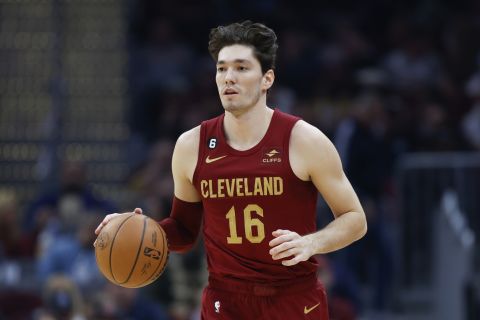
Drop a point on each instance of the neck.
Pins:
(244, 131)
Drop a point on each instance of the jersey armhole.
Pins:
(286, 146)
(201, 152)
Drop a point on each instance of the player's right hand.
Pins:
(109, 217)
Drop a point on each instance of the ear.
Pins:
(268, 79)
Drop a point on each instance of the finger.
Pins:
(282, 238)
(290, 262)
(99, 228)
(104, 222)
(277, 241)
(298, 257)
(279, 232)
(138, 211)
(281, 247)
(101, 225)
(285, 254)
(95, 243)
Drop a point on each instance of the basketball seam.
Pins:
(111, 247)
(138, 252)
(164, 238)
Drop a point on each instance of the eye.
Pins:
(242, 68)
(220, 69)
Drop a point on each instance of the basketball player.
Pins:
(253, 175)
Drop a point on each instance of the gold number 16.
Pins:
(249, 222)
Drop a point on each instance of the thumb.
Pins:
(138, 211)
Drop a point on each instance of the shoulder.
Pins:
(189, 137)
(307, 136)
(185, 154)
(188, 141)
(310, 150)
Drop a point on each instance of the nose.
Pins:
(230, 76)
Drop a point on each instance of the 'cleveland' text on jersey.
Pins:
(242, 187)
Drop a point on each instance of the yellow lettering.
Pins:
(239, 186)
(203, 186)
(221, 186)
(247, 192)
(232, 225)
(278, 185)
(210, 188)
(258, 190)
(230, 184)
(267, 186)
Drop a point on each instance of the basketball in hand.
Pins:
(131, 250)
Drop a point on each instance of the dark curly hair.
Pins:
(259, 37)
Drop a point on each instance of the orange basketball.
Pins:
(131, 250)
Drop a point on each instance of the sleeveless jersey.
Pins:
(246, 196)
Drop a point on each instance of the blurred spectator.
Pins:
(361, 143)
(14, 243)
(414, 64)
(17, 286)
(434, 132)
(62, 300)
(61, 209)
(115, 302)
(73, 256)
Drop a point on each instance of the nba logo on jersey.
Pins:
(271, 155)
(217, 306)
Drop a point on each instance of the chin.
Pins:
(231, 107)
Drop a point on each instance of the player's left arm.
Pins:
(314, 157)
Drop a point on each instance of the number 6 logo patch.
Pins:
(212, 143)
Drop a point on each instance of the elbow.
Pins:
(363, 231)
(363, 227)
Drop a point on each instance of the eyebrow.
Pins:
(234, 61)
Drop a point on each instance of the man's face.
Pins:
(239, 78)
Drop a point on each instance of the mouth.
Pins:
(229, 92)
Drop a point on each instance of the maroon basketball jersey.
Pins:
(246, 196)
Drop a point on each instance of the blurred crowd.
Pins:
(380, 78)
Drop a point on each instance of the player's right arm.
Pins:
(183, 225)
(184, 162)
